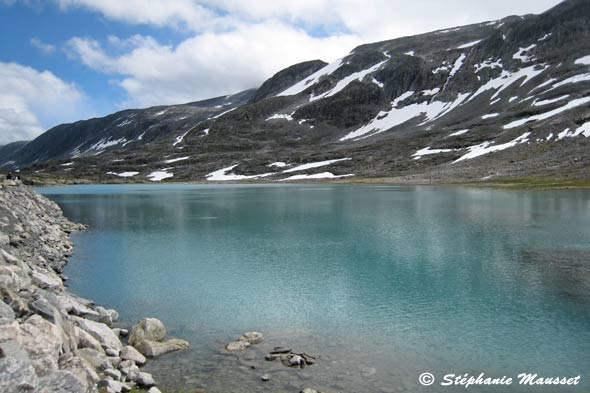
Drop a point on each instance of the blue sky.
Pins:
(65, 60)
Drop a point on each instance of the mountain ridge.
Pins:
(496, 99)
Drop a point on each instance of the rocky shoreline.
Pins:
(50, 339)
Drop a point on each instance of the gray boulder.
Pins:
(100, 331)
(145, 380)
(63, 381)
(113, 386)
(236, 346)
(16, 369)
(148, 335)
(6, 313)
(251, 337)
(154, 349)
(130, 353)
(151, 329)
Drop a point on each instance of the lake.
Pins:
(382, 283)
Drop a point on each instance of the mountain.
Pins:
(128, 129)
(10, 150)
(501, 99)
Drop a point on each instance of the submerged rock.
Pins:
(251, 337)
(236, 346)
(244, 341)
(147, 336)
(51, 340)
(154, 349)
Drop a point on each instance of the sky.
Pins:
(67, 60)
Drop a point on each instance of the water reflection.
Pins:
(399, 279)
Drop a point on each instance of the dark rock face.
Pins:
(10, 150)
(286, 78)
(499, 99)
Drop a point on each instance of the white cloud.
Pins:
(237, 43)
(29, 99)
(208, 64)
(368, 19)
(178, 13)
(48, 49)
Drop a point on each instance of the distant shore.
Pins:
(410, 180)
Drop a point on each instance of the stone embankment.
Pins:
(50, 339)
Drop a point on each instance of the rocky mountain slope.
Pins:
(502, 99)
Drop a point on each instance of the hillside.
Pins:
(502, 99)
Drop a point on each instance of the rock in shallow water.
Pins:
(147, 337)
(236, 346)
(151, 329)
(251, 337)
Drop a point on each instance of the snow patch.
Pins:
(583, 130)
(176, 159)
(542, 116)
(160, 175)
(224, 174)
(508, 78)
(356, 76)
(410, 53)
(323, 175)
(124, 123)
(457, 133)
(458, 64)
(430, 92)
(396, 116)
(444, 67)
(489, 147)
(180, 138)
(312, 79)
(583, 60)
(68, 164)
(521, 54)
(448, 30)
(469, 44)
(278, 116)
(550, 101)
(572, 79)
(427, 151)
(488, 64)
(489, 116)
(278, 164)
(123, 174)
(545, 37)
(101, 145)
(221, 114)
(314, 165)
(380, 84)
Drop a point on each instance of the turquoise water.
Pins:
(383, 283)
